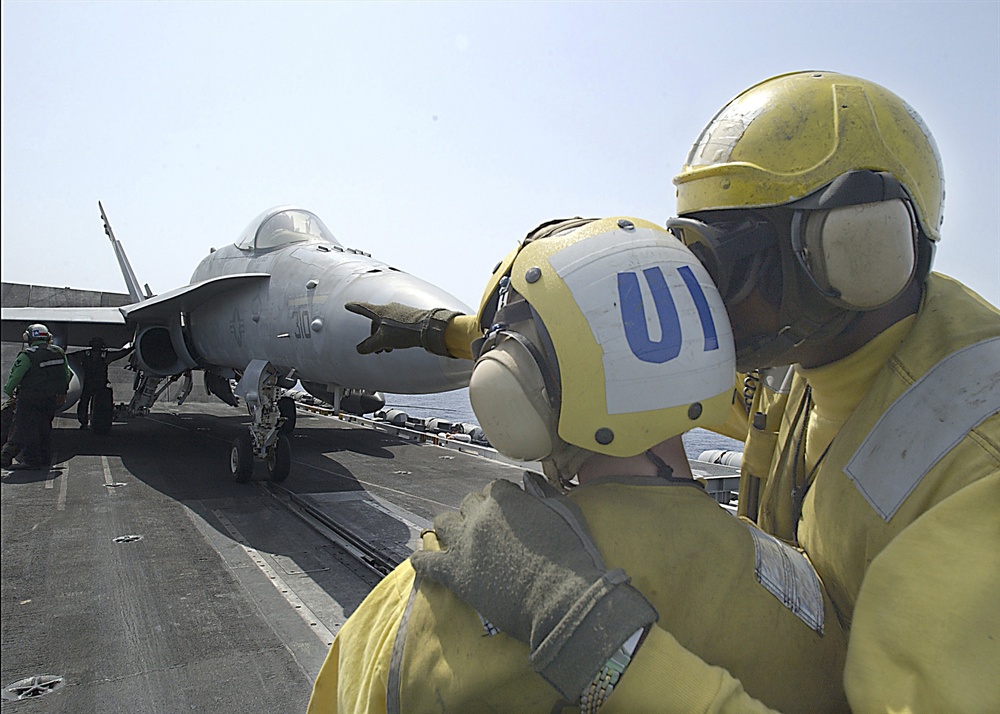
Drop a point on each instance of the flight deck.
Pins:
(138, 577)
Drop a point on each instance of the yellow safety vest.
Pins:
(901, 517)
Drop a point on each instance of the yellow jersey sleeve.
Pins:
(459, 334)
(665, 677)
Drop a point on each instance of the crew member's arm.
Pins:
(115, 355)
(17, 371)
(664, 676)
(925, 635)
(439, 331)
(459, 335)
(504, 552)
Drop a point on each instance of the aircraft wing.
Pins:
(172, 303)
(77, 325)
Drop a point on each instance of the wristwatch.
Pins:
(598, 691)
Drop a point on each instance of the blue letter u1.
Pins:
(634, 315)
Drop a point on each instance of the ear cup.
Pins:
(861, 256)
(507, 393)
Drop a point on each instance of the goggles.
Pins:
(726, 245)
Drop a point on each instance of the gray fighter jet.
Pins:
(264, 313)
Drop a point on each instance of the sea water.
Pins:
(454, 406)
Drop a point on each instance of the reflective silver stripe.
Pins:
(788, 575)
(394, 679)
(923, 425)
(51, 362)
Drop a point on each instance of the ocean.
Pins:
(454, 406)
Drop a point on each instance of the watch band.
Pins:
(598, 691)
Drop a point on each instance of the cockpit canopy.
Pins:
(283, 226)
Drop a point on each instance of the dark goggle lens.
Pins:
(725, 244)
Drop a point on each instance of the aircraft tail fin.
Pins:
(131, 282)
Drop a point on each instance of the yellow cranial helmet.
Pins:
(488, 304)
(790, 135)
(608, 336)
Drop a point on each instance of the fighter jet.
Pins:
(264, 313)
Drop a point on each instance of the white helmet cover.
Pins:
(640, 334)
(37, 331)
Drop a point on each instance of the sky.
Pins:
(433, 135)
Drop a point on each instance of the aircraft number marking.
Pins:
(633, 313)
(236, 327)
(302, 330)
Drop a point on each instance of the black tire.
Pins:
(103, 411)
(241, 458)
(286, 408)
(279, 461)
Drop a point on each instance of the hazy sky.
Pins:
(433, 135)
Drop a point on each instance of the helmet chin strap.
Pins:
(663, 470)
(566, 461)
(763, 351)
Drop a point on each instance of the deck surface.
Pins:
(142, 575)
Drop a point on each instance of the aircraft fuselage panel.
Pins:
(297, 318)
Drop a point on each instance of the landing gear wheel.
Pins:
(103, 411)
(286, 407)
(279, 460)
(241, 458)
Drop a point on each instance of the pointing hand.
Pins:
(397, 326)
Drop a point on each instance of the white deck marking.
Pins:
(307, 615)
(108, 481)
(63, 485)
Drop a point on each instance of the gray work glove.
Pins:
(528, 565)
(397, 326)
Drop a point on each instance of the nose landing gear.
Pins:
(273, 417)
